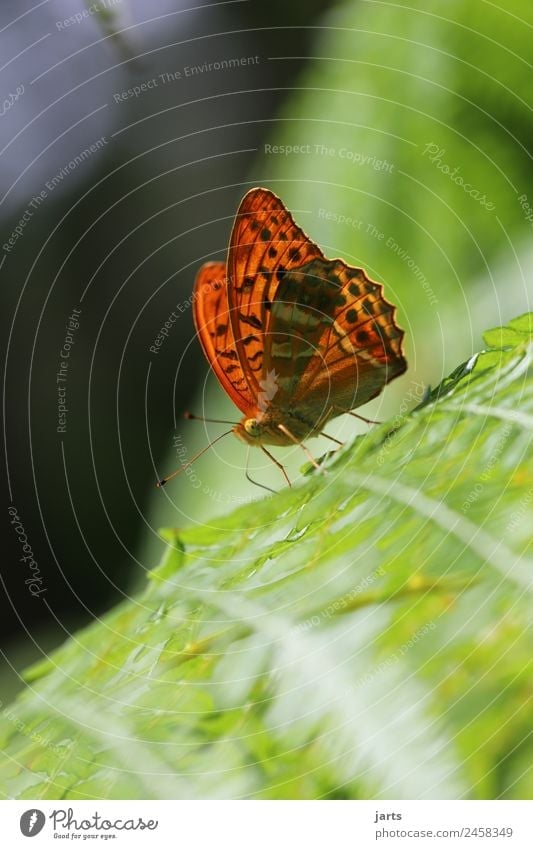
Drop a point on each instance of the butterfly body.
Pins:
(272, 428)
(294, 338)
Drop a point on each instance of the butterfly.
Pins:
(295, 339)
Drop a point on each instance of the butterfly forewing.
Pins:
(265, 242)
(213, 326)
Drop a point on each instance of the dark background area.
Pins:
(119, 237)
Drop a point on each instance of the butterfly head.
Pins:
(249, 430)
(273, 427)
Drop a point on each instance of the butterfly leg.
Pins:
(247, 474)
(276, 463)
(332, 438)
(357, 416)
(292, 437)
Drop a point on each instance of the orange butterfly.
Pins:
(294, 338)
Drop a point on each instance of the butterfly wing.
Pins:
(213, 326)
(265, 243)
(318, 328)
(340, 337)
(318, 332)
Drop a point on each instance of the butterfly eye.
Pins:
(251, 427)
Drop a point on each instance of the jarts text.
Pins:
(388, 816)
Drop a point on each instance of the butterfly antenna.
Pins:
(163, 481)
(192, 417)
(247, 474)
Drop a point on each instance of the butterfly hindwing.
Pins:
(360, 345)
(332, 336)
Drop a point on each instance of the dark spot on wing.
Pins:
(251, 319)
(265, 234)
(294, 254)
(323, 301)
(351, 316)
(272, 252)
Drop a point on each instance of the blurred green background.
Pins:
(399, 135)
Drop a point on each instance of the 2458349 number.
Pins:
(487, 831)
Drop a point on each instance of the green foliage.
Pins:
(363, 634)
